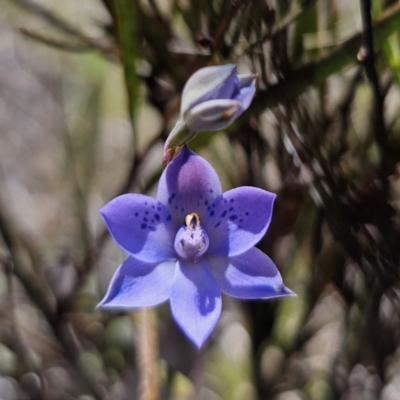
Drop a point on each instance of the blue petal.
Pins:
(251, 275)
(188, 184)
(142, 226)
(139, 284)
(245, 96)
(213, 115)
(209, 83)
(246, 80)
(237, 220)
(195, 300)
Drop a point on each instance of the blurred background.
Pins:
(90, 89)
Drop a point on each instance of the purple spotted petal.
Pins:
(188, 184)
(139, 284)
(216, 82)
(250, 275)
(237, 220)
(195, 300)
(212, 115)
(142, 226)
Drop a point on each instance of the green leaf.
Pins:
(126, 20)
(315, 73)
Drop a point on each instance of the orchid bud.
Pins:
(212, 99)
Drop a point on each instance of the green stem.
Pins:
(126, 21)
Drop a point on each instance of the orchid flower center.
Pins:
(192, 240)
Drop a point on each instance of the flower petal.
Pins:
(142, 226)
(188, 184)
(209, 83)
(212, 115)
(139, 284)
(246, 80)
(245, 97)
(237, 220)
(195, 300)
(250, 275)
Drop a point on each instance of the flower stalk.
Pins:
(145, 320)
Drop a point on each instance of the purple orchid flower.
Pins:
(190, 244)
(212, 99)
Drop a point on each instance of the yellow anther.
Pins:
(192, 220)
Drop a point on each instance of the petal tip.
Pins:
(109, 207)
(102, 305)
(285, 291)
(195, 336)
(102, 211)
(196, 341)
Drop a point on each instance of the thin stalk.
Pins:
(147, 353)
